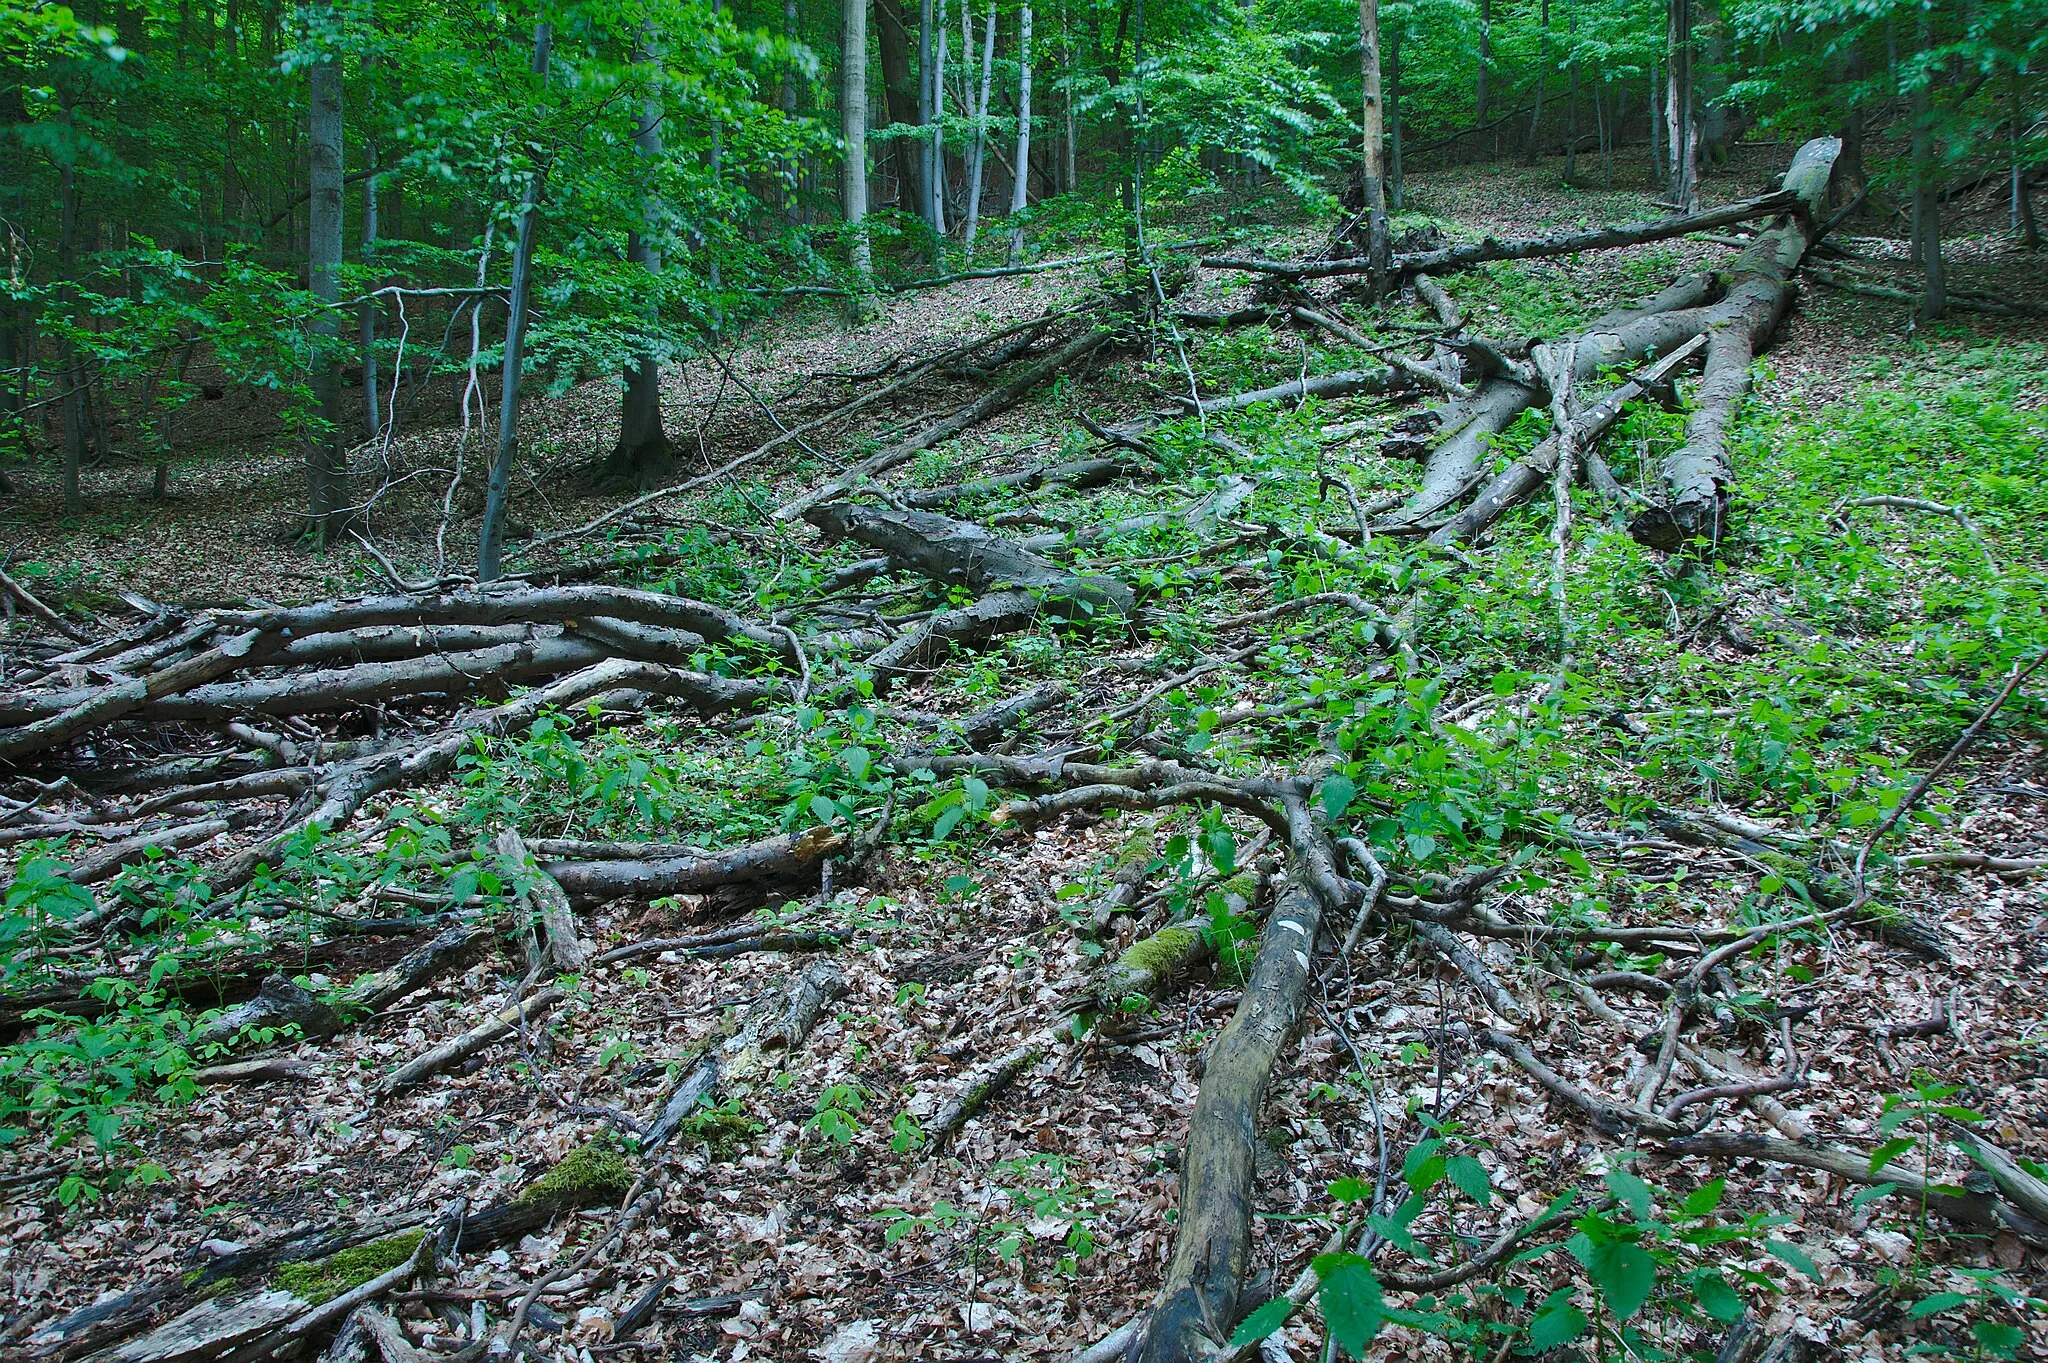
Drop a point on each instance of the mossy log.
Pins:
(1197, 1302)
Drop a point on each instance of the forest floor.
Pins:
(1801, 682)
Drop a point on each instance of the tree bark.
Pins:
(977, 158)
(642, 456)
(1197, 1303)
(1379, 246)
(326, 459)
(901, 98)
(1926, 190)
(853, 127)
(1020, 180)
(1682, 122)
(490, 539)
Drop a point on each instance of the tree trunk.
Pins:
(853, 126)
(1485, 60)
(927, 109)
(373, 424)
(642, 455)
(1397, 188)
(1683, 125)
(977, 159)
(1378, 248)
(903, 101)
(326, 460)
(1542, 84)
(1020, 182)
(490, 540)
(1926, 192)
(1070, 156)
(73, 372)
(1656, 121)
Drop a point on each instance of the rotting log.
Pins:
(548, 901)
(1697, 475)
(501, 1024)
(1346, 383)
(960, 553)
(338, 790)
(1076, 473)
(1009, 394)
(1197, 1302)
(1521, 248)
(787, 859)
(1520, 480)
(778, 1022)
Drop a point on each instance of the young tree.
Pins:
(978, 112)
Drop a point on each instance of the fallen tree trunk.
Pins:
(1521, 480)
(339, 789)
(1197, 1303)
(1522, 248)
(961, 553)
(1760, 292)
(787, 859)
(1347, 383)
(1011, 393)
(778, 1022)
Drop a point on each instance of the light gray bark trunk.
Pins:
(1020, 182)
(853, 129)
(642, 454)
(977, 160)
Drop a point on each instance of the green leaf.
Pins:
(823, 810)
(1471, 1178)
(1939, 1302)
(947, 822)
(1703, 1199)
(1998, 1340)
(1337, 793)
(1421, 846)
(1873, 1194)
(1794, 1256)
(1631, 1192)
(1261, 1322)
(1350, 1190)
(1558, 1323)
(857, 762)
(1889, 1151)
(1716, 1298)
(1353, 1306)
(1625, 1274)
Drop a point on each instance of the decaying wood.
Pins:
(1001, 399)
(961, 553)
(786, 859)
(456, 1049)
(549, 903)
(1697, 474)
(1198, 1300)
(1522, 248)
(777, 1023)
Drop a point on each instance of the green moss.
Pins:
(1136, 851)
(724, 1129)
(1160, 954)
(1244, 885)
(591, 1174)
(322, 1280)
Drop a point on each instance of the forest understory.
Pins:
(1103, 790)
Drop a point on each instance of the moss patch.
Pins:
(325, 1279)
(1161, 953)
(592, 1173)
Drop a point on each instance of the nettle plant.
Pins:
(1655, 1272)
